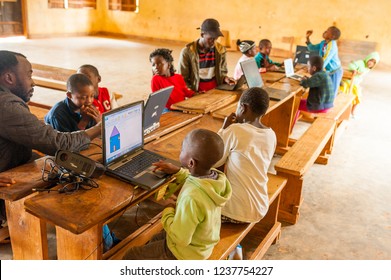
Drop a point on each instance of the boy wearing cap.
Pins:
(202, 63)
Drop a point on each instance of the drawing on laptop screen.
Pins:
(120, 138)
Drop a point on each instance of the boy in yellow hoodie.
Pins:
(361, 68)
(192, 226)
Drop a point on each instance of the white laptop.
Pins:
(290, 70)
(254, 79)
(124, 155)
(154, 108)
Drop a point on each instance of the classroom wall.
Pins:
(177, 20)
(44, 22)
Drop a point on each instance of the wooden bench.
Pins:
(297, 160)
(255, 238)
(50, 76)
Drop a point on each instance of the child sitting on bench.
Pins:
(321, 95)
(76, 111)
(103, 100)
(361, 67)
(248, 49)
(262, 58)
(192, 226)
(248, 150)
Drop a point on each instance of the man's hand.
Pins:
(6, 181)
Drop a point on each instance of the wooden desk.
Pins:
(79, 216)
(272, 77)
(279, 116)
(170, 122)
(170, 145)
(207, 102)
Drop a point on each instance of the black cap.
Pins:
(211, 26)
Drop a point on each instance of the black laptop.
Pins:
(302, 55)
(254, 79)
(124, 155)
(237, 86)
(154, 107)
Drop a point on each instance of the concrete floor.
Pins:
(346, 213)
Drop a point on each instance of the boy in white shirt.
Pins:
(248, 150)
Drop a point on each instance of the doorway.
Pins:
(11, 18)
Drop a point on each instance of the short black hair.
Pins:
(335, 32)
(8, 60)
(76, 81)
(264, 42)
(316, 61)
(166, 54)
(90, 68)
(257, 99)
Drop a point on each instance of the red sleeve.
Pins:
(181, 82)
(156, 83)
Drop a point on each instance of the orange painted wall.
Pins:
(251, 19)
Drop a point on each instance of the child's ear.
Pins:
(69, 94)
(99, 79)
(192, 163)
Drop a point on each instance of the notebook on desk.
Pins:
(237, 86)
(254, 79)
(124, 155)
(290, 70)
(154, 108)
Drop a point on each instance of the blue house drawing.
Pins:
(115, 140)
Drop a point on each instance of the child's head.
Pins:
(93, 74)
(332, 33)
(253, 103)
(162, 62)
(265, 46)
(247, 47)
(201, 149)
(372, 59)
(80, 90)
(315, 64)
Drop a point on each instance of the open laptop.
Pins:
(237, 86)
(290, 70)
(154, 107)
(254, 79)
(302, 55)
(124, 155)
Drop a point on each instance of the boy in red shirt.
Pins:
(103, 100)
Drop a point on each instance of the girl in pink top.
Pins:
(164, 76)
(249, 50)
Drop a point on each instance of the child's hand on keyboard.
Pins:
(166, 167)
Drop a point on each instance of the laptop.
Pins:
(237, 86)
(290, 70)
(154, 107)
(302, 55)
(254, 79)
(124, 156)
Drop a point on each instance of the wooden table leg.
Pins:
(84, 246)
(28, 233)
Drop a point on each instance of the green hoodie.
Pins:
(193, 228)
(361, 66)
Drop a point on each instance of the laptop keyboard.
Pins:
(138, 164)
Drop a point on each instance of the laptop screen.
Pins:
(122, 130)
(155, 104)
(251, 72)
(289, 70)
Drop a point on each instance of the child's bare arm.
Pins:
(6, 181)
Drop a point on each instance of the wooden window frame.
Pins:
(72, 4)
(124, 5)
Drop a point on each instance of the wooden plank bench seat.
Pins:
(231, 234)
(340, 113)
(255, 238)
(50, 76)
(297, 160)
